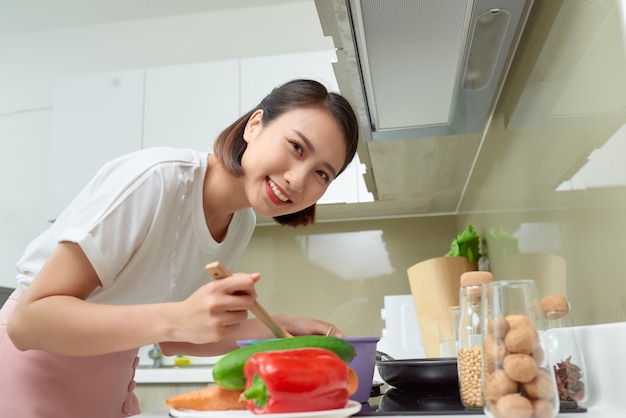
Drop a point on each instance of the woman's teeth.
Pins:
(277, 191)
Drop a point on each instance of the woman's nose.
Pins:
(295, 179)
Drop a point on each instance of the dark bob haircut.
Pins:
(230, 145)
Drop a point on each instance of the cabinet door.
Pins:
(260, 75)
(189, 105)
(95, 118)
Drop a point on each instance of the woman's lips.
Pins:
(275, 193)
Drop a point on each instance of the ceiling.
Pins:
(38, 15)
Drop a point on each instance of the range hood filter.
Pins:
(485, 48)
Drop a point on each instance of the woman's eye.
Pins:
(323, 175)
(297, 147)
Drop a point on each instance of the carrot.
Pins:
(213, 398)
(353, 381)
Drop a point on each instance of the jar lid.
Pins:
(476, 278)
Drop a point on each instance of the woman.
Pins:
(123, 265)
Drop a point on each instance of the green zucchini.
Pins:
(228, 371)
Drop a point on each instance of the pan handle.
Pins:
(380, 356)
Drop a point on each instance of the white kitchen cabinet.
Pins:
(189, 105)
(96, 117)
(261, 74)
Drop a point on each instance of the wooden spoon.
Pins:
(219, 271)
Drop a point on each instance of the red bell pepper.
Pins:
(295, 380)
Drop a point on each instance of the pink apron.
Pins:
(38, 384)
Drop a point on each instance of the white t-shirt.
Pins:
(141, 224)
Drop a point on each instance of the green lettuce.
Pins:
(466, 244)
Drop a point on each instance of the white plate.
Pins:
(351, 408)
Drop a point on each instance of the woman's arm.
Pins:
(53, 315)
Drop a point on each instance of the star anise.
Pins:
(569, 381)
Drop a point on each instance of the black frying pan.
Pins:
(426, 373)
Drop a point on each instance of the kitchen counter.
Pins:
(183, 374)
(602, 346)
(199, 371)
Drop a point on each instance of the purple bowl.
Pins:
(363, 364)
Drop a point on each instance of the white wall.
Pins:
(32, 62)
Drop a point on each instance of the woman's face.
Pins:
(290, 162)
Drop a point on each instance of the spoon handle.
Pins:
(218, 271)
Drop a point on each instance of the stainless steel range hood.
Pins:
(423, 68)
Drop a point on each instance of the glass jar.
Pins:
(455, 314)
(517, 375)
(564, 352)
(447, 336)
(469, 338)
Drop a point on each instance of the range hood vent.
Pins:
(425, 67)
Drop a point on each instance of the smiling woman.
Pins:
(88, 299)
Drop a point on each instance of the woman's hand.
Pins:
(216, 309)
(298, 325)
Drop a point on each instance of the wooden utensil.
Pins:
(219, 271)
